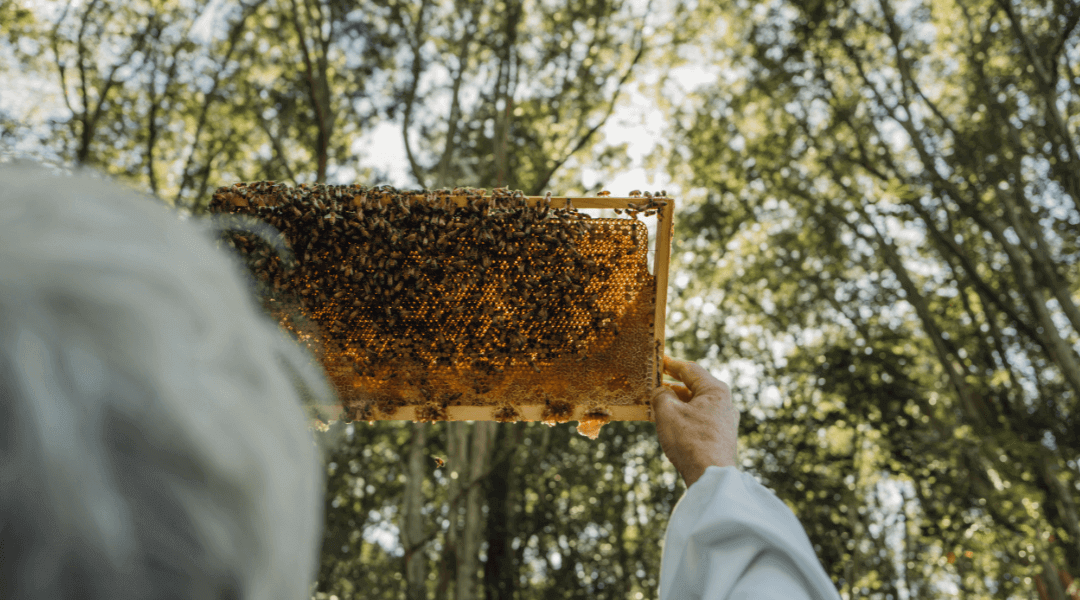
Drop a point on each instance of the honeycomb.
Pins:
(459, 304)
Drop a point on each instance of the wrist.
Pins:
(692, 474)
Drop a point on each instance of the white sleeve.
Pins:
(730, 538)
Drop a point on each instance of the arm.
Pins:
(728, 537)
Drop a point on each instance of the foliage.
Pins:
(184, 96)
(515, 90)
(890, 234)
(585, 518)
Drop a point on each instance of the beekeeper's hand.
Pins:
(696, 421)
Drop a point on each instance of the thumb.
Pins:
(665, 403)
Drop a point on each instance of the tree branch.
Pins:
(55, 39)
(443, 168)
(234, 36)
(279, 150)
(542, 183)
(317, 101)
(1025, 42)
(410, 94)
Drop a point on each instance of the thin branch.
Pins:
(55, 38)
(1049, 339)
(1047, 79)
(211, 96)
(908, 79)
(91, 117)
(204, 181)
(441, 177)
(84, 135)
(152, 131)
(1071, 22)
(410, 94)
(543, 182)
(155, 100)
(317, 101)
(279, 150)
(1025, 42)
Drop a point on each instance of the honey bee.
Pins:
(603, 193)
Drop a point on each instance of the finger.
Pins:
(695, 377)
(681, 391)
(665, 403)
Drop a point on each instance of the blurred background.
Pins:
(876, 244)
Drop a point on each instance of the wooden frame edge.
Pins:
(665, 229)
(534, 412)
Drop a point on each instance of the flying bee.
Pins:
(438, 462)
(603, 193)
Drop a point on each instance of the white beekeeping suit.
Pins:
(730, 538)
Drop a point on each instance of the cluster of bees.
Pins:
(413, 275)
(652, 205)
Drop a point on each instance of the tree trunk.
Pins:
(1059, 506)
(413, 531)
(316, 73)
(1048, 583)
(457, 438)
(472, 530)
(500, 570)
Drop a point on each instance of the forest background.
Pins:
(876, 244)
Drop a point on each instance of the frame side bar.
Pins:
(665, 228)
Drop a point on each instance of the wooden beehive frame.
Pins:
(661, 260)
(583, 409)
